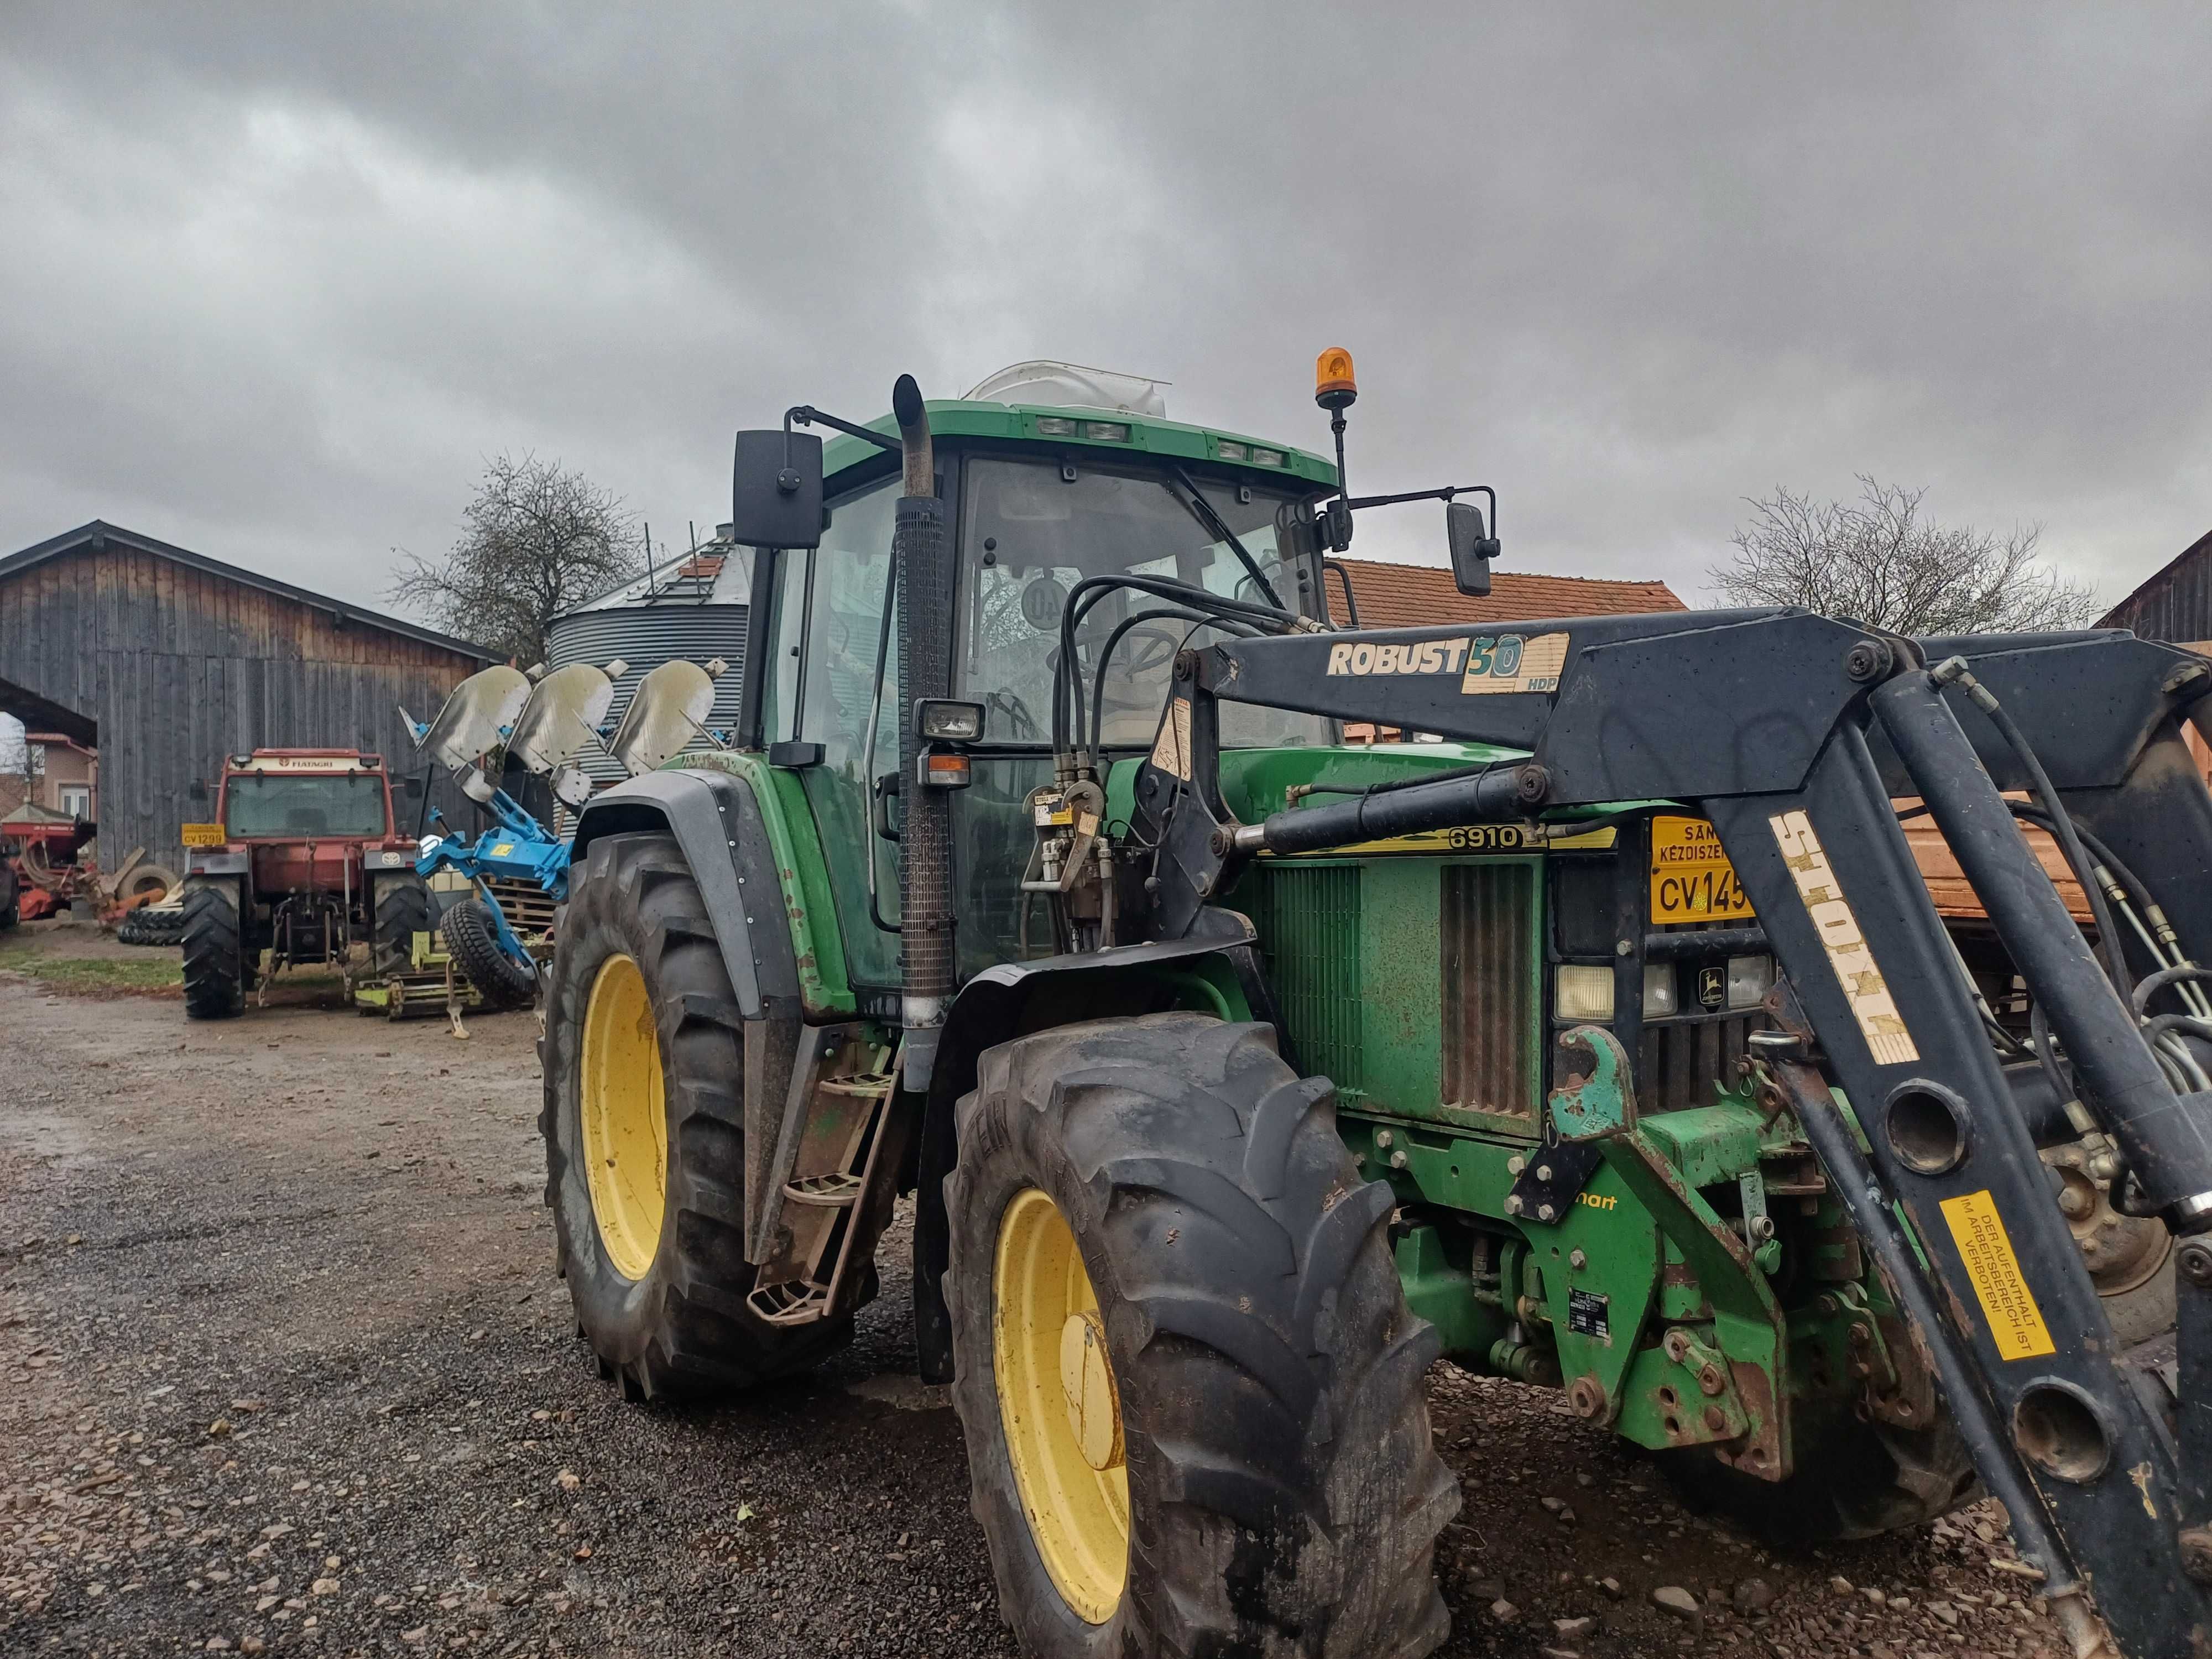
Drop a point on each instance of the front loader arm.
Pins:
(1792, 732)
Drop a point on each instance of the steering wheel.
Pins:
(1144, 652)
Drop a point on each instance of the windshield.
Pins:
(1030, 534)
(261, 804)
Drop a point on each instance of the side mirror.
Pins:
(775, 490)
(1336, 525)
(1470, 549)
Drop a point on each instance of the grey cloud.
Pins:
(277, 280)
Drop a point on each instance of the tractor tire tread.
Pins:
(214, 955)
(146, 926)
(1852, 1479)
(687, 1328)
(401, 910)
(499, 979)
(1286, 1493)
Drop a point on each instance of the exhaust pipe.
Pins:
(921, 549)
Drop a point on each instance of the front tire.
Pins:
(1851, 1480)
(644, 1131)
(1235, 1381)
(215, 956)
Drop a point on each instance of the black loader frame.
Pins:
(1793, 732)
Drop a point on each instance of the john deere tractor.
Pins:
(1610, 1043)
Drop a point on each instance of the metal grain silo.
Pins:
(694, 606)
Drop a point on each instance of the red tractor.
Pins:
(304, 858)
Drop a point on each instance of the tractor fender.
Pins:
(1014, 998)
(717, 823)
(217, 863)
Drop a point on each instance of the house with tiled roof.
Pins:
(1420, 595)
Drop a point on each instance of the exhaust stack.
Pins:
(921, 549)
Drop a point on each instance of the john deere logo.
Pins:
(1712, 986)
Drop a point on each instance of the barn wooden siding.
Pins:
(181, 666)
(2174, 605)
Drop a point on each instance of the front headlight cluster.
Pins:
(1580, 992)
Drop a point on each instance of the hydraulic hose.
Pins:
(1954, 670)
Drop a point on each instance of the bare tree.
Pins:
(1878, 561)
(541, 540)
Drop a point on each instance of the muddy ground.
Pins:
(285, 1366)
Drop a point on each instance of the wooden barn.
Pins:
(2174, 605)
(167, 661)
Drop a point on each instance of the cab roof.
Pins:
(1102, 429)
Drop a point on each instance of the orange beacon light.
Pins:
(1334, 386)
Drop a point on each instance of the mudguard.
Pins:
(717, 823)
(1014, 998)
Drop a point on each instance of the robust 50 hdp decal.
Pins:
(1484, 663)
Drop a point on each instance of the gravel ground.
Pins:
(286, 1366)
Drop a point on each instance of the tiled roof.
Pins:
(1417, 596)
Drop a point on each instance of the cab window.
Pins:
(1032, 533)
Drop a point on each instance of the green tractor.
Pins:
(1611, 1044)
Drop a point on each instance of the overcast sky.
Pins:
(274, 280)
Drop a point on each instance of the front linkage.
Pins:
(2108, 1483)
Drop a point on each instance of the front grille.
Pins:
(1491, 976)
(1684, 1064)
(1309, 921)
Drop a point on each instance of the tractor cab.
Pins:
(1040, 500)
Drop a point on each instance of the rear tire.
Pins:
(1283, 1495)
(681, 1323)
(1853, 1479)
(214, 959)
(472, 937)
(403, 910)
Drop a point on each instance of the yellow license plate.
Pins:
(1692, 879)
(203, 834)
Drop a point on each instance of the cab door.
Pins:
(828, 632)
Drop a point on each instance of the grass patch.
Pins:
(164, 972)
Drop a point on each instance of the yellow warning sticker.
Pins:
(2015, 1322)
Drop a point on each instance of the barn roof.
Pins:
(1421, 596)
(99, 532)
(2129, 612)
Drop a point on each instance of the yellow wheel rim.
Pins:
(625, 1117)
(1060, 1406)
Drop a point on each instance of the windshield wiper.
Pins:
(1202, 510)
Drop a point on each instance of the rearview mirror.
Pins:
(775, 492)
(1472, 550)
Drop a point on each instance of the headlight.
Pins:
(1658, 989)
(1583, 992)
(942, 719)
(1748, 978)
